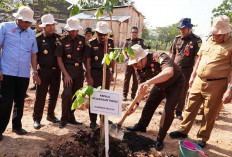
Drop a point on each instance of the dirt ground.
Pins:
(50, 136)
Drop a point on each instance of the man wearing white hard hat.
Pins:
(70, 53)
(48, 71)
(94, 55)
(19, 48)
(209, 81)
(159, 70)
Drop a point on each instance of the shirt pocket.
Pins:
(220, 53)
(67, 50)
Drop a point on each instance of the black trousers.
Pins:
(172, 94)
(187, 71)
(50, 83)
(77, 75)
(97, 75)
(130, 71)
(13, 90)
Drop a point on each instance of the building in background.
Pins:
(123, 17)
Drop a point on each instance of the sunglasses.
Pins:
(100, 34)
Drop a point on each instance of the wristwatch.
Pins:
(34, 72)
(230, 87)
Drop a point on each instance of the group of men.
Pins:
(49, 55)
(172, 75)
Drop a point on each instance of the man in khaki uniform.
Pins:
(208, 81)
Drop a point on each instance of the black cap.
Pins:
(88, 30)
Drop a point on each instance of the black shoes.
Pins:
(53, 119)
(179, 116)
(159, 145)
(0, 137)
(124, 98)
(74, 122)
(201, 143)
(26, 96)
(37, 124)
(33, 88)
(136, 127)
(93, 125)
(62, 124)
(177, 134)
(132, 97)
(20, 131)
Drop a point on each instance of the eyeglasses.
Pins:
(218, 35)
(135, 32)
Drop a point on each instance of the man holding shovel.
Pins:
(159, 70)
(94, 55)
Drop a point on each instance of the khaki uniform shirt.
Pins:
(185, 49)
(216, 59)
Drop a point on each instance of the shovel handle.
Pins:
(138, 98)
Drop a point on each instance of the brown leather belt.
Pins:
(205, 79)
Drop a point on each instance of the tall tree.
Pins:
(165, 35)
(224, 9)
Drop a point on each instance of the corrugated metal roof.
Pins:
(87, 16)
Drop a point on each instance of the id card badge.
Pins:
(187, 52)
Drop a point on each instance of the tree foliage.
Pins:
(224, 9)
(162, 36)
(100, 4)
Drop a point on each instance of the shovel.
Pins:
(115, 129)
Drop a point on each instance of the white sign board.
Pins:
(106, 102)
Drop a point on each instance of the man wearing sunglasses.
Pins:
(129, 69)
(208, 82)
(94, 55)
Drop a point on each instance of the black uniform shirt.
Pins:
(71, 50)
(96, 52)
(47, 47)
(153, 68)
(130, 42)
(185, 49)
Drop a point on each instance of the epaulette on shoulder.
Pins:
(81, 36)
(91, 39)
(38, 34)
(111, 40)
(140, 39)
(57, 35)
(62, 37)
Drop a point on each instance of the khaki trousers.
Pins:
(209, 94)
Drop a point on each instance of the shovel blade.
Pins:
(116, 132)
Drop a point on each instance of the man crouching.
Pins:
(157, 69)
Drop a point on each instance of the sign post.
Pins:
(107, 103)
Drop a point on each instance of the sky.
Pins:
(160, 13)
